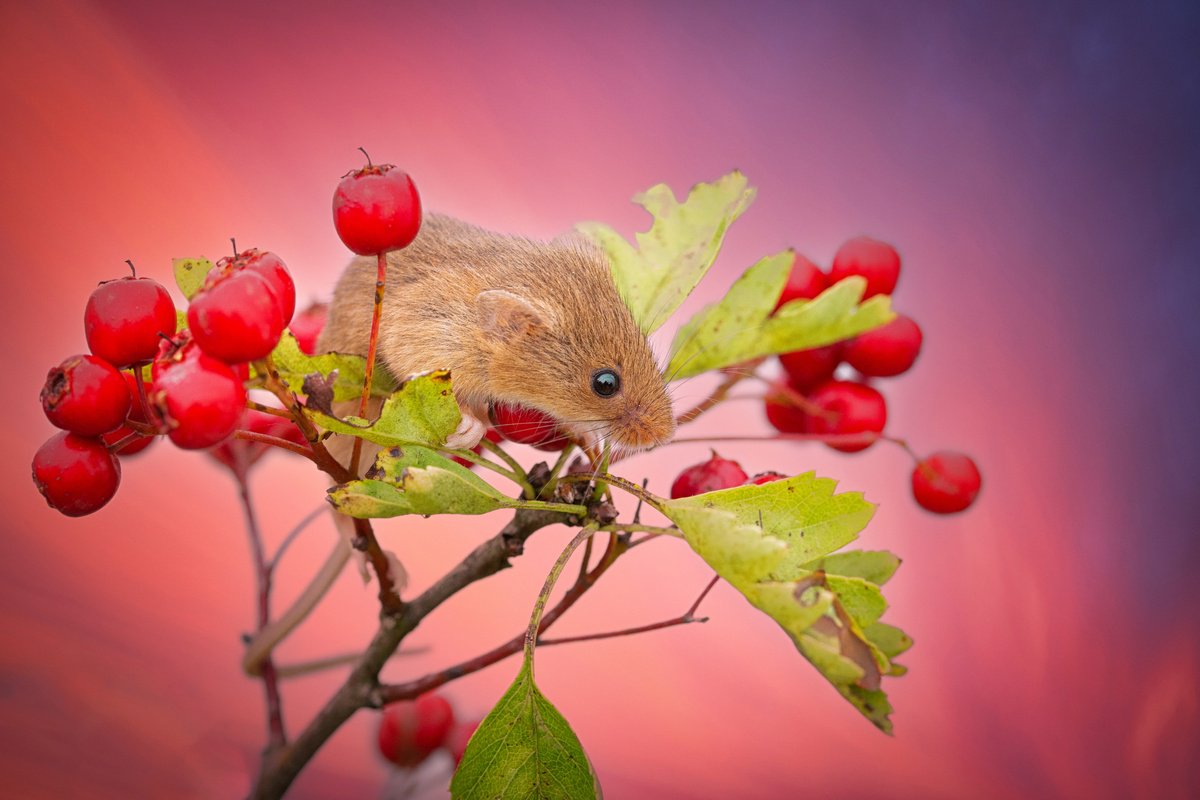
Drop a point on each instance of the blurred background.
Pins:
(1035, 165)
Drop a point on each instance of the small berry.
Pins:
(85, 395)
(946, 482)
(411, 730)
(850, 408)
(765, 477)
(783, 414)
(376, 209)
(199, 398)
(240, 455)
(525, 425)
(235, 318)
(876, 261)
(807, 368)
(308, 325)
(124, 317)
(710, 476)
(805, 281)
(459, 736)
(137, 413)
(888, 350)
(75, 474)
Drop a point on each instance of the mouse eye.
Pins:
(606, 383)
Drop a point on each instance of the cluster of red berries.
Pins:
(197, 392)
(411, 731)
(943, 483)
(851, 413)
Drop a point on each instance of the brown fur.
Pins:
(513, 320)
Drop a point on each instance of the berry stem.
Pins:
(365, 541)
(277, 736)
(686, 618)
(309, 518)
(275, 441)
(367, 156)
(272, 410)
(372, 347)
(132, 268)
(718, 394)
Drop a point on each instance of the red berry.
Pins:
(124, 318)
(765, 477)
(198, 397)
(710, 476)
(137, 413)
(850, 408)
(946, 482)
(783, 414)
(887, 350)
(75, 474)
(876, 261)
(459, 736)
(376, 209)
(410, 731)
(240, 455)
(235, 317)
(308, 325)
(807, 368)
(805, 281)
(85, 395)
(525, 425)
(271, 267)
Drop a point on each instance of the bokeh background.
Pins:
(1036, 165)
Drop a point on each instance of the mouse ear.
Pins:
(503, 313)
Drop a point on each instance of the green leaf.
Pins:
(294, 365)
(741, 326)
(524, 749)
(415, 480)
(774, 543)
(190, 274)
(670, 259)
(421, 412)
(876, 566)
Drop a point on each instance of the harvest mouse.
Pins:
(538, 324)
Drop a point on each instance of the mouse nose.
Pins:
(644, 428)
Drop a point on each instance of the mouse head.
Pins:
(580, 357)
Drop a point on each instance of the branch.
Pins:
(685, 618)
(277, 737)
(414, 688)
(361, 688)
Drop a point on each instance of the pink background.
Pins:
(1035, 168)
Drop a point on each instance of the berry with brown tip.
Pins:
(376, 209)
(85, 395)
(124, 319)
(946, 482)
(199, 398)
(77, 475)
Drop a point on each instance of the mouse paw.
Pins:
(468, 434)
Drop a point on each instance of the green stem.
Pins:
(538, 505)
(637, 491)
(632, 528)
(535, 620)
(499, 452)
(558, 468)
(475, 458)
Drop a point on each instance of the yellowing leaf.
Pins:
(774, 543)
(422, 412)
(525, 749)
(741, 326)
(294, 365)
(414, 480)
(190, 274)
(670, 259)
